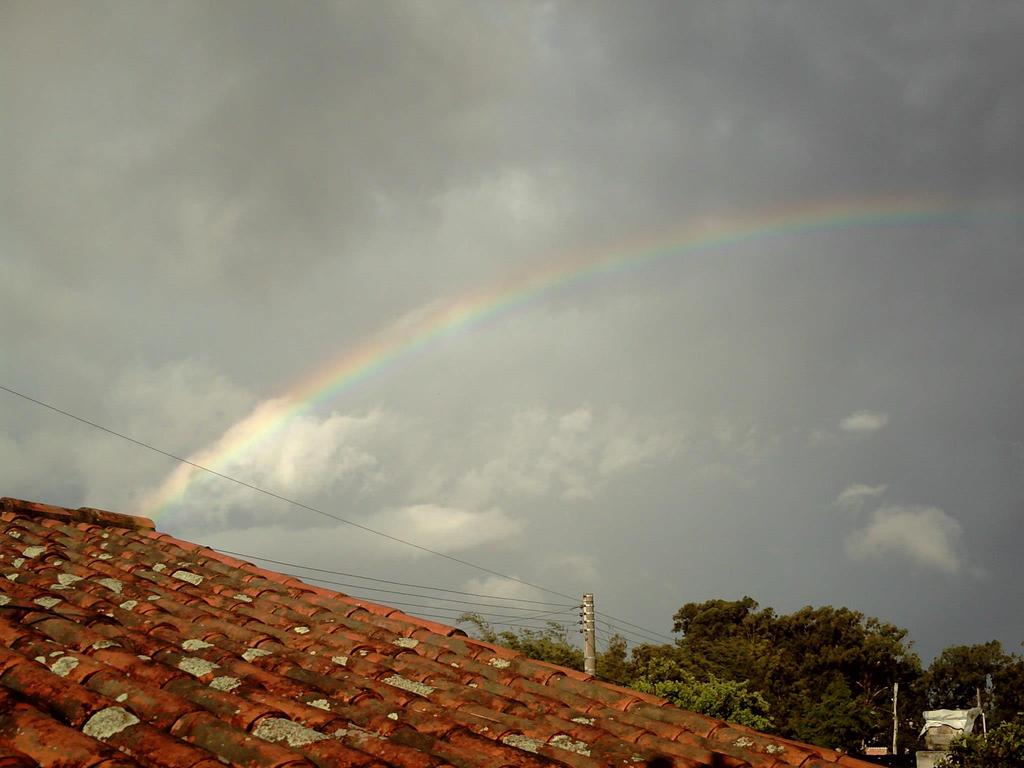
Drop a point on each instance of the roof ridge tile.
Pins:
(89, 515)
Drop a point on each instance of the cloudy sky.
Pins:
(204, 205)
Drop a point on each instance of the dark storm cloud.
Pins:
(200, 202)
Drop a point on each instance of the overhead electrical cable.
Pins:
(296, 503)
(564, 627)
(420, 594)
(636, 626)
(387, 581)
(456, 611)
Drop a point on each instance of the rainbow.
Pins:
(421, 329)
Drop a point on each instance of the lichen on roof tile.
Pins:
(408, 685)
(67, 579)
(255, 653)
(406, 642)
(499, 663)
(33, 551)
(196, 666)
(47, 602)
(192, 578)
(114, 585)
(225, 683)
(519, 741)
(194, 644)
(64, 665)
(108, 722)
(278, 729)
(569, 744)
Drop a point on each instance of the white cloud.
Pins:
(299, 456)
(171, 405)
(447, 529)
(927, 535)
(582, 568)
(864, 422)
(569, 456)
(423, 477)
(854, 496)
(624, 451)
(498, 587)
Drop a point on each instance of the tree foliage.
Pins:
(836, 718)
(960, 671)
(1003, 747)
(548, 644)
(821, 675)
(826, 672)
(1008, 691)
(725, 699)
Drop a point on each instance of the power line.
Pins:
(628, 636)
(564, 627)
(300, 504)
(649, 637)
(635, 637)
(456, 611)
(280, 497)
(386, 581)
(637, 626)
(425, 597)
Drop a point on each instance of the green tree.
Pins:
(794, 661)
(958, 673)
(724, 699)
(817, 644)
(731, 639)
(548, 644)
(1003, 747)
(1008, 691)
(837, 718)
(823, 675)
(613, 664)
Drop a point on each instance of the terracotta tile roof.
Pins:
(123, 646)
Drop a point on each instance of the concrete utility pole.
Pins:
(984, 725)
(895, 717)
(589, 643)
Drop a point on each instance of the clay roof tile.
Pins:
(127, 644)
